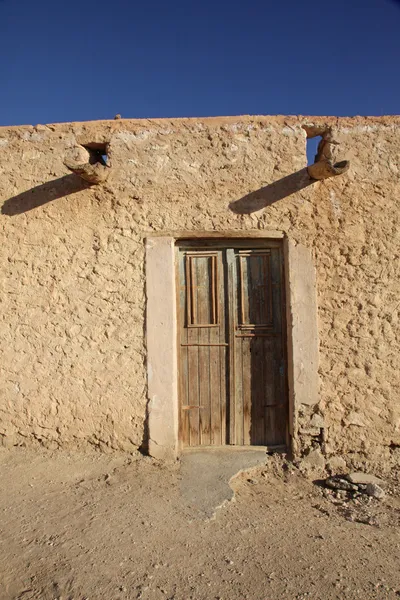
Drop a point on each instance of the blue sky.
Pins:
(86, 59)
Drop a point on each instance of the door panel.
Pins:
(232, 346)
(203, 348)
(259, 396)
(255, 301)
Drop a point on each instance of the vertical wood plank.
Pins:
(254, 290)
(231, 305)
(217, 336)
(276, 289)
(268, 283)
(270, 392)
(257, 391)
(239, 391)
(246, 377)
(215, 396)
(204, 392)
(242, 297)
(223, 337)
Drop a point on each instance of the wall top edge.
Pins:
(278, 120)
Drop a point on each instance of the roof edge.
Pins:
(300, 120)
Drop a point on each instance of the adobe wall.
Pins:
(72, 339)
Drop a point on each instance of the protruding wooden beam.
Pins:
(326, 168)
(93, 173)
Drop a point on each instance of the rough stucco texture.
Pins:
(72, 338)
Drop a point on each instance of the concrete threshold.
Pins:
(206, 473)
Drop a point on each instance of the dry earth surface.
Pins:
(77, 526)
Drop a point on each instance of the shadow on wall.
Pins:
(70, 184)
(272, 193)
(44, 193)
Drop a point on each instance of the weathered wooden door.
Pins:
(232, 358)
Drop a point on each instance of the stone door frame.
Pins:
(161, 334)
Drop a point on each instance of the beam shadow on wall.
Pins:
(44, 193)
(70, 184)
(272, 193)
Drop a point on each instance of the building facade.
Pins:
(202, 288)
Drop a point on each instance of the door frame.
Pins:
(162, 333)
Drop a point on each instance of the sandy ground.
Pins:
(116, 527)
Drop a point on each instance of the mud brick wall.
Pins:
(72, 340)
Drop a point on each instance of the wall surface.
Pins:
(72, 331)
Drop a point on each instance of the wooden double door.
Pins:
(232, 352)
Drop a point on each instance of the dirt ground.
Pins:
(92, 527)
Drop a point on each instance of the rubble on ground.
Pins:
(354, 485)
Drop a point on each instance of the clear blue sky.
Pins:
(86, 59)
